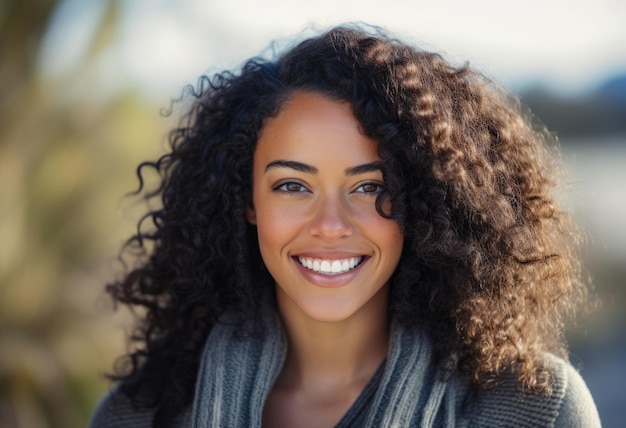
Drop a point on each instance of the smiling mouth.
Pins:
(330, 267)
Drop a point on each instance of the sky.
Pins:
(161, 45)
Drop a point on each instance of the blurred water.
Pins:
(597, 175)
(601, 363)
(597, 192)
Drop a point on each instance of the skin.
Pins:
(315, 182)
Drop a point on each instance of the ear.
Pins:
(251, 214)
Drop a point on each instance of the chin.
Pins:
(330, 310)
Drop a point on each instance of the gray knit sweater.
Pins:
(237, 373)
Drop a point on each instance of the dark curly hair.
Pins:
(490, 264)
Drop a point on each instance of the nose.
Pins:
(332, 219)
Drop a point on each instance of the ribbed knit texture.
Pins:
(235, 372)
(238, 371)
(518, 409)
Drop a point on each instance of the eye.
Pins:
(370, 188)
(290, 187)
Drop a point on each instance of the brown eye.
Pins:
(291, 187)
(369, 188)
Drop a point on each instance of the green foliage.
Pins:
(65, 164)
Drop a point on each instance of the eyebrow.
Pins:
(309, 169)
(298, 166)
(366, 167)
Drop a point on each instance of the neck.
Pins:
(342, 353)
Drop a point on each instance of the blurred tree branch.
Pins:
(23, 24)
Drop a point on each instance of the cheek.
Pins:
(395, 241)
(276, 226)
(388, 235)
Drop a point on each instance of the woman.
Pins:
(357, 234)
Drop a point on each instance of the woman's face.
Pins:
(315, 182)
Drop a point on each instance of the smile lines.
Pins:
(330, 267)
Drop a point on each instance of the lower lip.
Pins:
(329, 281)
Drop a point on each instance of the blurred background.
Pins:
(82, 88)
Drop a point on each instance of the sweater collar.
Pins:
(238, 370)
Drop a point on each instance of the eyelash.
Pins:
(379, 188)
(282, 187)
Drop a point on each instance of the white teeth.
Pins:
(330, 267)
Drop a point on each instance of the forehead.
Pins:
(312, 127)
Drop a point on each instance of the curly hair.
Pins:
(490, 265)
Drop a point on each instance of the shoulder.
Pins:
(578, 408)
(570, 404)
(116, 410)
